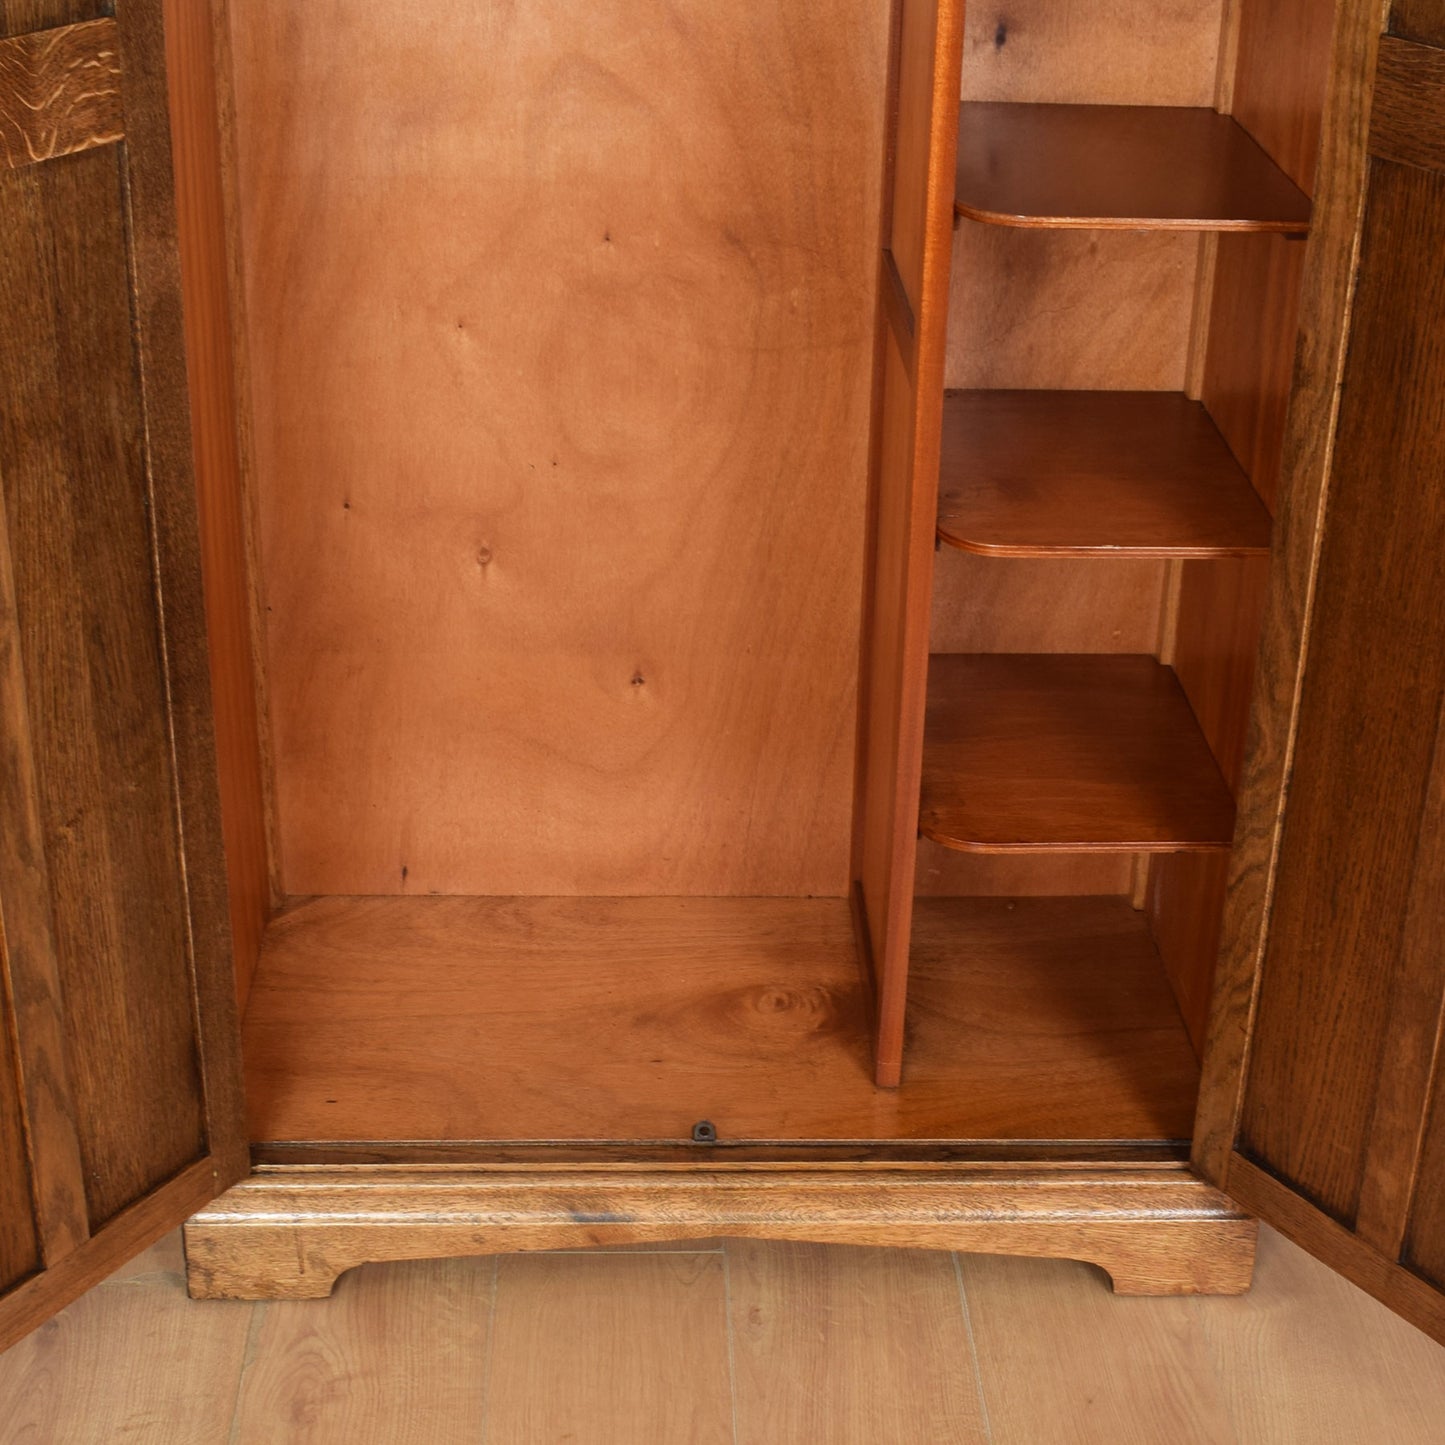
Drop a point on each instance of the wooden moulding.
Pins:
(1120, 167)
(288, 1234)
(59, 92)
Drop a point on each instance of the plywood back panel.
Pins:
(1092, 52)
(561, 323)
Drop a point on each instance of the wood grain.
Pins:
(1408, 1094)
(19, 1236)
(947, 873)
(1407, 124)
(92, 654)
(1092, 52)
(1303, 1356)
(1129, 168)
(845, 1347)
(33, 1301)
(59, 92)
(624, 689)
(649, 1361)
(1100, 1370)
(902, 511)
(1335, 929)
(380, 1361)
(1070, 311)
(1417, 1233)
(1253, 322)
(21, 17)
(1012, 604)
(1307, 1356)
(477, 1019)
(99, 504)
(1091, 474)
(1216, 647)
(1328, 284)
(1249, 324)
(1286, 52)
(1072, 753)
(289, 1234)
(1344, 1251)
(221, 496)
(127, 1362)
(48, 1165)
(1185, 900)
(1418, 20)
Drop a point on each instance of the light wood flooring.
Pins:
(738, 1344)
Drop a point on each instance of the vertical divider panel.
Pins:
(913, 315)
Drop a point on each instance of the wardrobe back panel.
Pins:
(1092, 52)
(560, 322)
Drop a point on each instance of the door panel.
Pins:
(1324, 1057)
(19, 1243)
(91, 653)
(111, 874)
(1367, 723)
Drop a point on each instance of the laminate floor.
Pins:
(740, 1344)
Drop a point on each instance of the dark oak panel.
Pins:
(36, 1021)
(1368, 715)
(74, 478)
(1409, 121)
(1092, 474)
(59, 92)
(18, 17)
(1120, 167)
(1088, 754)
(1419, 20)
(19, 1240)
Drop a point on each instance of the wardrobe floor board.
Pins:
(627, 1020)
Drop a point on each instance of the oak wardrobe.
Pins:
(632, 623)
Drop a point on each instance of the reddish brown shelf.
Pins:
(1090, 474)
(1050, 753)
(1122, 167)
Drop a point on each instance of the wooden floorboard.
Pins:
(645, 1358)
(851, 1346)
(1060, 1359)
(760, 1344)
(394, 1355)
(603, 1019)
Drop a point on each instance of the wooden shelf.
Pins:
(1120, 167)
(388, 1022)
(1048, 753)
(1090, 474)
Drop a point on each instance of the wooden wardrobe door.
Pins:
(1324, 1103)
(119, 1080)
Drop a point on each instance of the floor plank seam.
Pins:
(248, 1355)
(491, 1349)
(972, 1347)
(728, 1322)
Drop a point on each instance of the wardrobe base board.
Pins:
(289, 1234)
(621, 1023)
